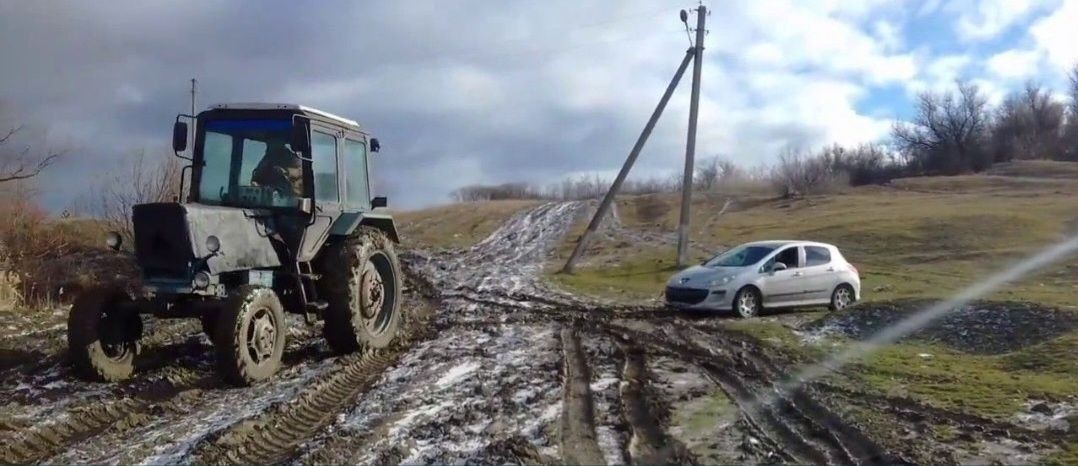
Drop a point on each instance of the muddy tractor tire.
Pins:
(103, 332)
(361, 282)
(250, 335)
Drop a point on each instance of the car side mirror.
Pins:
(778, 266)
(179, 136)
(301, 138)
(305, 204)
(375, 145)
(380, 201)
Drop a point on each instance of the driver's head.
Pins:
(276, 150)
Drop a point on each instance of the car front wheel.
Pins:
(747, 302)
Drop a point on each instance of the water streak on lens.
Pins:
(922, 318)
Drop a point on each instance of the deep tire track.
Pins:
(95, 416)
(272, 436)
(648, 443)
(579, 444)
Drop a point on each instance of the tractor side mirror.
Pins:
(179, 136)
(305, 204)
(380, 201)
(301, 138)
(375, 145)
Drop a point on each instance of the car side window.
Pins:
(788, 256)
(815, 255)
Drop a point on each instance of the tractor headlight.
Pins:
(720, 281)
(113, 240)
(213, 244)
(202, 280)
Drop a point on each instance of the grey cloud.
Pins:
(462, 91)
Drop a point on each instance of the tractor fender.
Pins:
(347, 223)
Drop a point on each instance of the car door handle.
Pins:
(830, 269)
(797, 274)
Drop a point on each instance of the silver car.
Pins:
(767, 274)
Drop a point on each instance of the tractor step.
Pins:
(314, 309)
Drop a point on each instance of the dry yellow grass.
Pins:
(456, 225)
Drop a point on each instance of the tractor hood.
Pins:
(171, 237)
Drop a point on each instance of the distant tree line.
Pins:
(950, 133)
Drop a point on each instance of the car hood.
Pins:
(699, 276)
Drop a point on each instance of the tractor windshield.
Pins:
(248, 163)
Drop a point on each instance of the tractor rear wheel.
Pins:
(250, 335)
(103, 332)
(361, 282)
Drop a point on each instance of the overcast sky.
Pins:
(464, 92)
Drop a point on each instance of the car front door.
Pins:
(783, 286)
(819, 273)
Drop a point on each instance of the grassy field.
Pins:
(920, 237)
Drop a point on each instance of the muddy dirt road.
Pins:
(494, 367)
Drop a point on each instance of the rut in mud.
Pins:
(494, 367)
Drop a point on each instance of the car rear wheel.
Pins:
(747, 302)
(842, 297)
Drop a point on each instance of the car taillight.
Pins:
(854, 269)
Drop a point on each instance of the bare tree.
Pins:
(25, 162)
(1070, 131)
(146, 179)
(1028, 125)
(707, 173)
(948, 134)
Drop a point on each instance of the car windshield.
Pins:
(740, 256)
(249, 163)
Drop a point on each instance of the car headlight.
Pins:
(720, 281)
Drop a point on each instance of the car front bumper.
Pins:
(716, 300)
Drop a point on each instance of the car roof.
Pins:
(778, 243)
(272, 106)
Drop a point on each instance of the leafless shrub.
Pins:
(147, 178)
(797, 173)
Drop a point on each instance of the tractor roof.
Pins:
(272, 106)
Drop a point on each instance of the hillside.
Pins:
(917, 237)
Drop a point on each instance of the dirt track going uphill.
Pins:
(493, 367)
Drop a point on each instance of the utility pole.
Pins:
(690, 145)
(604, 206)
(694, 54)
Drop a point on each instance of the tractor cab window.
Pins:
(324, 166)
(355, 181)
(248, 163)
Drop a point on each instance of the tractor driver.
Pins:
(280, 169)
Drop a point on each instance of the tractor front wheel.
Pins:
(250, 335)
(361, 281)
(103, 332)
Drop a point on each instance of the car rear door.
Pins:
(783, 286)
(819, 273)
